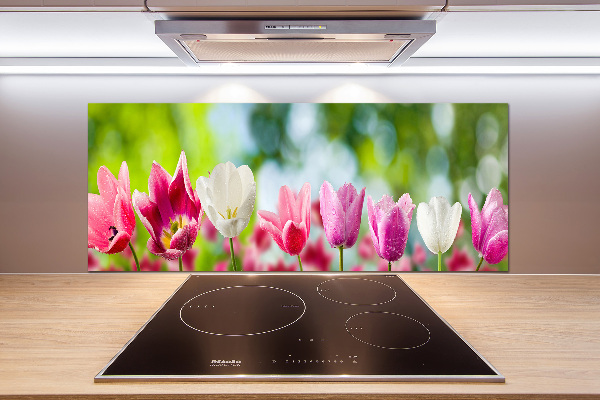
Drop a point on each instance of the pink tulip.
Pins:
(389, 223)
(490, 227)
(460, 260)
(209, 231)
(171, 213)
(365, 248)
(315, 213)
(316, 257)
(341, 213)
(291, 227)
(93, 262)
(222, 266)
(110, 215)
(419, 254)
(281, 266)
(261, 239)
(251, 259)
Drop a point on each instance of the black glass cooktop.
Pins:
(297, 326)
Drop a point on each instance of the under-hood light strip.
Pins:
(414, 66)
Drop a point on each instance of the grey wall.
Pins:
(554, 153)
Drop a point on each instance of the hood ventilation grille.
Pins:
(389, 42)
(295, 50)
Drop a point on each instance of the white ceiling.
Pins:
(459, 34)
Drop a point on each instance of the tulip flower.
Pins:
(341, 213)
(389, 223)
(490, 228)
(291, 227)
(438, 223)
(110, 214)
(228, 197)
(172, 213)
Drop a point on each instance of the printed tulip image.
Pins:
(228, 197)
(244, 157)
(291, 227)
(490, 228)
(341, 212)
(389, 223)
(171, 213)
(110, 214)
(438, 223)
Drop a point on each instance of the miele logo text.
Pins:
(225, 363)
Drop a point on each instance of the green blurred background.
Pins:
(426, 150)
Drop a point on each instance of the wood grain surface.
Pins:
(542, 332)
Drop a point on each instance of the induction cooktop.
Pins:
(297, 326)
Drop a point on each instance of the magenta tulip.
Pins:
(291, 227)
(341, 213)
(110, 214)
(171, 213)
(490, 228)
(389, 223)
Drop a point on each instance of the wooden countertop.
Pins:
(541, 332)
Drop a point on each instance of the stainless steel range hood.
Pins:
(386, 42)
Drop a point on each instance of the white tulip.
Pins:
(227, 196)
(438, 223)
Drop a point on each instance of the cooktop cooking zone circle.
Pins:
(388, 330)
(242, 310)
(356, 291)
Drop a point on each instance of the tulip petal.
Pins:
(346, 195)
(450, 226)
(182, 239)
(497, 248)
(168, 254)
(234, 189)
(428, 227)
(497, 223)
(304, 206)
(271, 217)
(247, 178)
(107, 186)
(119, 243)
(148, 213)
(158, 185)
(476, 225)
(353, 217)
(332, 215)
(406, 204)
(267, 225)
(230, 228)
(294, 237)
(393, 234)
(373, 222)
(286, 204)
(385, 204)
(178, 195)
(492, 201)
(124, 179)
(123, 216)
(217, 187)
(245, 209)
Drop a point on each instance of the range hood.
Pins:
(384, 42)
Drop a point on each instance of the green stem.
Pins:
(232, 255)
(180, 264)
(341, 258)
(479, 265)
(439, 260)
(389, 266)
(300, 262)
(137, 263)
